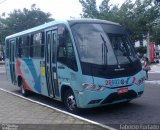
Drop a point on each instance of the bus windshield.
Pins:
(103, 44)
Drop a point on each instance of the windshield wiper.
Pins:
(126, 54)
(104, 50)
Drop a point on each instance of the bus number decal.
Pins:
(116, 82)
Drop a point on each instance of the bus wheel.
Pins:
(24, 91)
(70, 102)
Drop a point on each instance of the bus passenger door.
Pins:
(12, 60)
(50, 58)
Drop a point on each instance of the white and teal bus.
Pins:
(84, 63)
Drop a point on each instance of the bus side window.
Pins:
(37, 45)
(17, 46)
(20, 47)
(7, 48)
(66, 54)
(25, 47)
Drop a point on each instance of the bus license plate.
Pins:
(122, 90)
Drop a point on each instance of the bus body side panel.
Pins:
(70, 78)
(79, 92)
(43, 82)
(39, 77)
(29, 70)
(93, 98)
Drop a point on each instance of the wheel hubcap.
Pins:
(71, 102)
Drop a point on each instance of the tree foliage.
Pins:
(141, 49)
(138, 17)
(20, 20)
(89, 9)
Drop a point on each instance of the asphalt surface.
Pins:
(153, 76)
(143, 110)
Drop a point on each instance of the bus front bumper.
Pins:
(89, 99)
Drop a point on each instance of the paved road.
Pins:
(2, 69)
(154, 76)
(145, 109)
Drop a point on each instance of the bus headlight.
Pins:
(140, 81)
(93, 87)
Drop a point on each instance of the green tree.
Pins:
(108, 11)
(20, 20)
(156, 34)
(140, 17)
(89, 9)
(3, 30)
(141, 49)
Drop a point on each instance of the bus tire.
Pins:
(70, 101)
(24, 92)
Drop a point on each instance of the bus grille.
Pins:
(116, 97)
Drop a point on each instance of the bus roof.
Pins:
(71, 22)
(43, 26)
